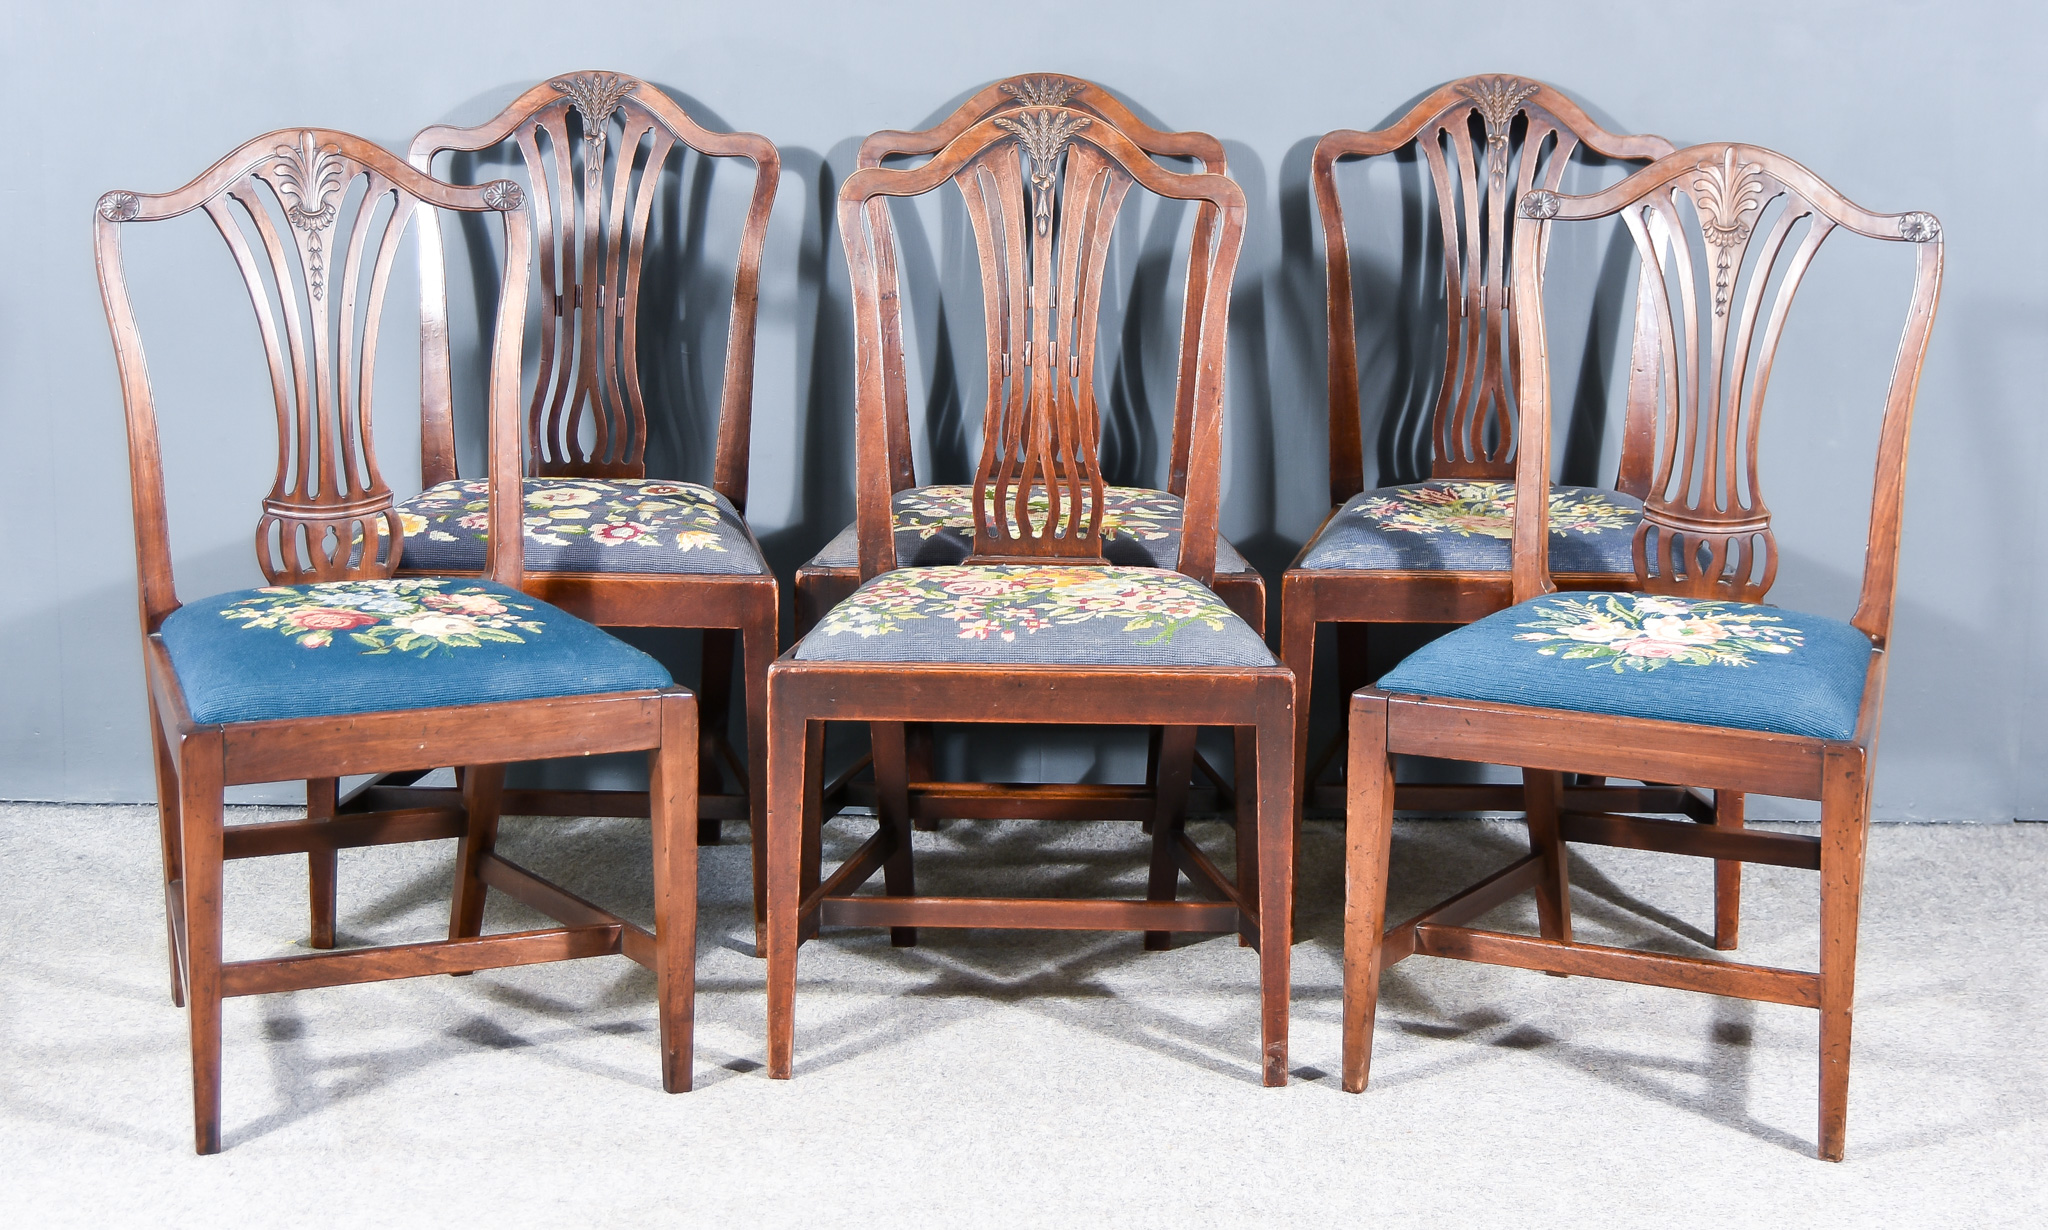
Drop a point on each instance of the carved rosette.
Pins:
(1540, 205)
(1729, 195)
(119, 206)
(1918, 227)
(1497, 99)
(1041, 91)
(1044, 135)
(596, 96)
(308, 179)
(503, 194)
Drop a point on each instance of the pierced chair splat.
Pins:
(339, 665)
(1686, 676)
(1036, 624)
(601, 154)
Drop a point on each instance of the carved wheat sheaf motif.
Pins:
(119, 206)
(1041, 91)
(596, 96)
(1045, 135)
(308, 179)
(1729, 195)
(1497, 99)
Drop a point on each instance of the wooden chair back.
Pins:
(313, 219)
(1487, 141)
(1042, 187)
(595, 146)
(1726, 234)
(1055, 90)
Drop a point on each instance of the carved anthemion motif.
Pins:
(1041, 91)
(596, 96)
(1540, 205)
(1919, 227)
(119, 206)
(1045, 135)
(1729, 195)
(1497, 99)
(504, 194)
(308, 179)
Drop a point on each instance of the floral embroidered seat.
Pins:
(1707, 662)
(366, 646)
(585, 525)
(1466, 525)
(1031, 614)
(935, 525)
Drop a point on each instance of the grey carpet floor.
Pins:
(1020, 1079)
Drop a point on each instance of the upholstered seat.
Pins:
(935, 526)
(1711, 663)
(1061, 614)
(585, 525)
(1466, 525)
(336, 647)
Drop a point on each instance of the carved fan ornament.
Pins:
(1045, 135)
(595, 96)
(307, 177)
(1540, 205)
(1041, 91)
(1728, 195)
(1497, 99)
(119, 206)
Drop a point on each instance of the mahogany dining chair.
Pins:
(1685, 677)
(338, 665)
(1036, 624)
(608, 161)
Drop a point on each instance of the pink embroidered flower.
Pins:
(328, 618)
(611, 533)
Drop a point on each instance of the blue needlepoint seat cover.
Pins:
(584, 525)
(1705, 662)
(1468, 526)
(337, 647)
(935, 525)
(1048, 615)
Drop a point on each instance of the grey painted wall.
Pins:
(1902, 107)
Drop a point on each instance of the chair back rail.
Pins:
(1487, 140)
(313, 220)
(1054, 90)
(595, 146)
(1042, 187)
(1726, 234)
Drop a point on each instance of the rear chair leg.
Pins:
(1173, 763)
(757, 648)
(672, 800)
(1727, 874)
(892, 809)
(1543, 792)
(482, 789)
(168, 832)
(199, 771)
(323, 799)
(714, 706)
(1275, 872)
(1368, 842)
(1845, 829)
